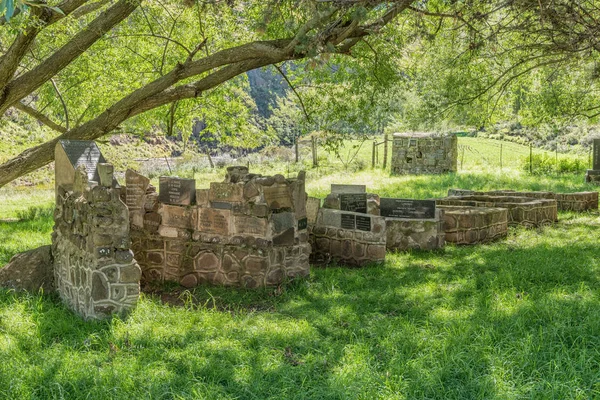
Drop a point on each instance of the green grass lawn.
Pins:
(519, 318)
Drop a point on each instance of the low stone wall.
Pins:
(522, 211)
(248, 231)
(578, 201)
(364, 244)
(424, 153)
(94, 269)
(472, 225)
(415, 234)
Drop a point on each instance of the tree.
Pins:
(188, 50)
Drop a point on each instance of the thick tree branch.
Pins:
(40, 117)
(43, 17)
(28, 82)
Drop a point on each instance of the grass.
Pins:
(519, 318)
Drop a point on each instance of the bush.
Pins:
(545, 164)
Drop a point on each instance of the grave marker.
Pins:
(407, 208)
(278, 197)
(355, 202)
(596, 163)
(177, 191)
(211, 220)
(70, 154)
(338, 189)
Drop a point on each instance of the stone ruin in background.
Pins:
(593, 175)
(95, 273)
(424, 153)
(249, 231)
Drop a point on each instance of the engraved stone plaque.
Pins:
(363, 223)
(407, 208)
(226, 192)
(348, 221)
(215, 221)
(282, 221)
(278, 196)
(135, 189)
(83, 152)
(177, 191)
(355, 202)
(335, 188)
(313, 205)
(248, 225)
(176, 216)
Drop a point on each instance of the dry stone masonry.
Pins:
(94, 269)
(424, 153)
(524, 211)
(473, 225)
(249, 230)
(412, 224)
(578, 202)
(349, 238)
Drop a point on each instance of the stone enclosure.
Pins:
(249, 230)
(578, 202)
(424, 153)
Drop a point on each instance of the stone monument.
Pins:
(249, 230)
(424, 153)
(593, 175)
(412, 224)
(95, 273)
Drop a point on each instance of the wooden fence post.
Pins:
(296, 148)
(385, 150)
(530, 158)
(373, 154)
(314, 151)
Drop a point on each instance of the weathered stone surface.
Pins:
(177, 216)
(340, 188)
(313, 205)
(94, 270)
(472, 225)
(424, 153)
(249, 225)
(226, 192)
(30, 271)
(524, 211)
(215, 221)
(278, 196)
(106, 173)
(411, 234)
(334, 238)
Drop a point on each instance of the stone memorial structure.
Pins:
(578, 202)
(353, 198)
(593, 175)
(249, 230)
(424, 153)
(524, 211)
(94, 270)
(412, 224)
(348, 238)
(472, 225)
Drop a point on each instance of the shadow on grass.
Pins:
(518, 318)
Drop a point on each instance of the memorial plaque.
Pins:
(248, 225)
(221, 205)
(177, 217)
(312, 209)
(226, 192)
(338, 189)
(363, 223)
(596, 163)
(177, 191)
(407, 208)
(348, 221)
(302, 224)
(135, 189)
(278, 197)
(355, 202)
(215, 221)
(86, 153)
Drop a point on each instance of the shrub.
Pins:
(544, 164)
(35, 212)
